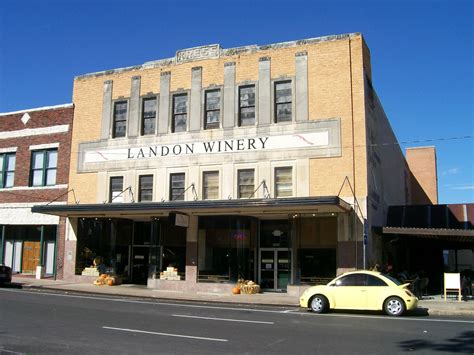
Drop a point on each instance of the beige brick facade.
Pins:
(335, 90)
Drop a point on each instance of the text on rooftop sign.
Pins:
(198, 53)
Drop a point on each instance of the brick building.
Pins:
(35, 150)
(259, 162)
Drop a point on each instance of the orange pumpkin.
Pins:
(110, 282)
(236, 290)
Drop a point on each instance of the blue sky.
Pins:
(422, 55)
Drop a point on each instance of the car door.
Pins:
(349, 292)
(376, 290)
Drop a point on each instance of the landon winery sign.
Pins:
(235, 145)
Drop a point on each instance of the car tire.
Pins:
(394, 306)
(318, 304)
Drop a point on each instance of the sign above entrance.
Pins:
(237, 145)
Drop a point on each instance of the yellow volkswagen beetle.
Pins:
(360, 290)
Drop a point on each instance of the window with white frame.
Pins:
(44, 165)
(246, 183)
(7, 169)
(210, 185)
(284, 181)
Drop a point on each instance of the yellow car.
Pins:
(360, 290)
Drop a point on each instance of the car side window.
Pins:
(352, 280)
(375, 281)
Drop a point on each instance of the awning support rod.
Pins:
(57, 198)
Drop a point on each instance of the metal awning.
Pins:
(250, 207)
(452, 235)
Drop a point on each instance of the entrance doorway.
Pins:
(140, 264)
(274, 270)
(31, 256)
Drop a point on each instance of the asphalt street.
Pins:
(37, 322)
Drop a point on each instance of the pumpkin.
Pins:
(236, 290)
(110, 282)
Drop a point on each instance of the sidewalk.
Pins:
(435, 305)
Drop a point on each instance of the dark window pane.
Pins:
(180, 104)
(120, 117)
(283, 92)
(375, 281)
(247, 96)
(177, 187)
(283, 112)
(149, 108)
(149, 116)
(212, 117)
(119, 129)
(213, 100)
(247, 116)
(180, 123)
(145, 188)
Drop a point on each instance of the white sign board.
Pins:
(452, 283)
(452, 280)
(236, 145)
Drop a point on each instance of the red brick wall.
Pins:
(39, 119)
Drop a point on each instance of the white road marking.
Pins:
(156, 303)
(164, 334)
(224, 319)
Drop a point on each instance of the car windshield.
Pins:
(394, 280)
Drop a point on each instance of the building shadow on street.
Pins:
(463, 343)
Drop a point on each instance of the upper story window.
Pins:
(247, 105)
(212, 109)
(177, 187)
(210, 185)
(180, 113)
(44, 165)
(283, 103)
(148, 116)
(246, 183)
(116, 189)
(283, 182)
(145, 188)
(7, 169)
(120, 119)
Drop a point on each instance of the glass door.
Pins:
(275, 267)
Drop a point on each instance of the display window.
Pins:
(226, 248)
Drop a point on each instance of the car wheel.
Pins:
(318, 304)
(394, 306)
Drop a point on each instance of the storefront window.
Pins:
(172, 248)
(226, 248)
(103, 242)
(317, 240)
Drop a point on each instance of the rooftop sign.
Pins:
(198, 53)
